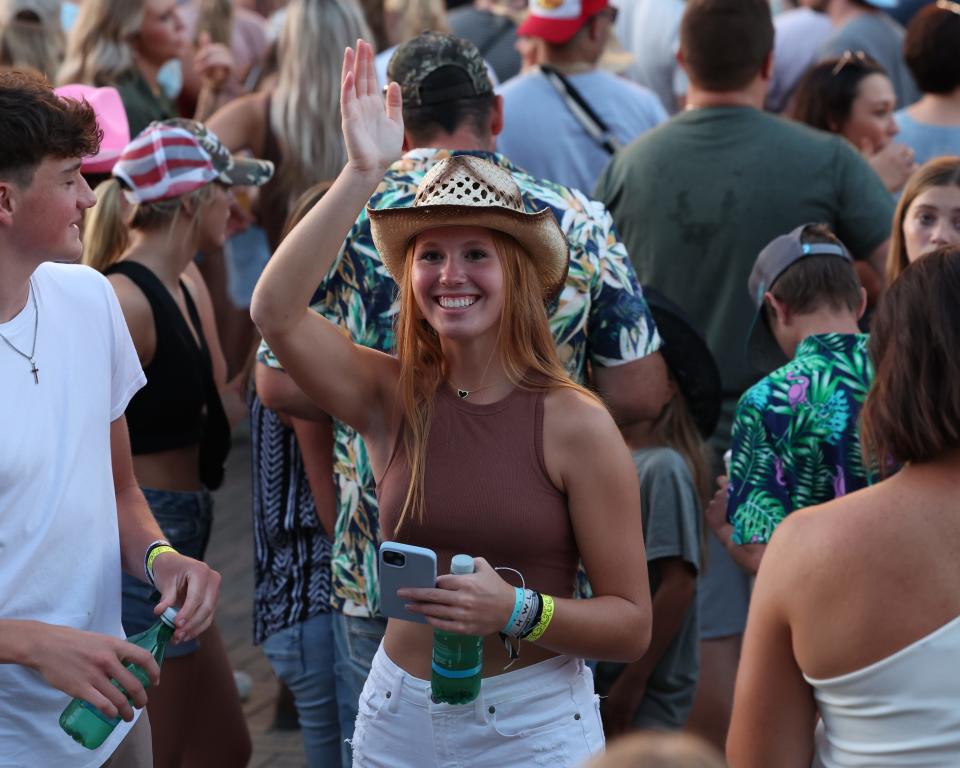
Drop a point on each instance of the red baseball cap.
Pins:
(556, 21)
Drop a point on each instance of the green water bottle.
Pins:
(457, 659)
(86, 724)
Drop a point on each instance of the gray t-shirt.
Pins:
(671, 528)
(881, 38)
(697, 199)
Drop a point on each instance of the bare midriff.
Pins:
(173, 470)
(410, 646)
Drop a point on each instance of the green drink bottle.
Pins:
(457, 659)
(87, 724)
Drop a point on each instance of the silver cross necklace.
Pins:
(33, 349)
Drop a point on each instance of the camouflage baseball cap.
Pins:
(171, 158)
(236, 171)
(414, 61)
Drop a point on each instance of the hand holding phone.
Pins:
(404, 565)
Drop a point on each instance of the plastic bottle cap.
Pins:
(461, 564)
(168, 616)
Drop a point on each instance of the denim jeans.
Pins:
(357, 640)
(302, 657)
(185, 517)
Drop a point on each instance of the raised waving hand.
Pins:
(372, 125)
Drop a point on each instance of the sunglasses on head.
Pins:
(848, 57)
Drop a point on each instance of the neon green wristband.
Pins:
(546, 617)
(153, 551)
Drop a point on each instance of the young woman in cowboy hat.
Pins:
(480, 443)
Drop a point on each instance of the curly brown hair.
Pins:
(35, 124)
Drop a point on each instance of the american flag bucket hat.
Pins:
(171, 158)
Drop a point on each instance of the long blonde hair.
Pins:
(305, 105)
(98, 45)
(106, 228)
(525, 347)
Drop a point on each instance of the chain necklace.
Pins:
(33, 349)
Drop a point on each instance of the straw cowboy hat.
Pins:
(470, 191)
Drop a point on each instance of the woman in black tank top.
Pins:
(178, 176)
(475, 270)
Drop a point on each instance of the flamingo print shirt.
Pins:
(796, 441)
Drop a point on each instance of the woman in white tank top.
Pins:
(856, 613)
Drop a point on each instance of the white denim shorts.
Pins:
(543, 715)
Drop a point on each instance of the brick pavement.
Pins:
(231, 553)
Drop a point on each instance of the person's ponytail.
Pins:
(105, 233)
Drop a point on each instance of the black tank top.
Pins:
(176, 408)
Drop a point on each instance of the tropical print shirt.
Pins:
(795, 436)
(600, 317)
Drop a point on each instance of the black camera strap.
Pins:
(592, 123)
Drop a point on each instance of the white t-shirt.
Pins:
(59, 539)
(542, 136)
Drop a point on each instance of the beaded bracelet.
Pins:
(155, 549)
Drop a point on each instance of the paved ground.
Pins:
(231, 553)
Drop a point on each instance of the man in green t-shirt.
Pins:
(697, 198)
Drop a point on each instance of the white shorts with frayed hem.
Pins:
(543, 715)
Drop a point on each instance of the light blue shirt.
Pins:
(543, 137)
(926, 140)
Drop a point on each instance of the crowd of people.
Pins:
(650, 307)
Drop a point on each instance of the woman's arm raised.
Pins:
(352, 383)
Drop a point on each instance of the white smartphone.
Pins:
(403, 565)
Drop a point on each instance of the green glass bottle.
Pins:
(86, 724)
(457, 659)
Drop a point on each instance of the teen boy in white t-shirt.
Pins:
(71, 513)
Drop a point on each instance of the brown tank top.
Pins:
(487, 492)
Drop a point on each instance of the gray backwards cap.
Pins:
(414, 61)
(777, 257)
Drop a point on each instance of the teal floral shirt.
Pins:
(796, 440)
(601, 317)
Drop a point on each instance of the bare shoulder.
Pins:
(137, 314)
(581, 440)
(816, 545)
(133, 301)
(573, 415)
